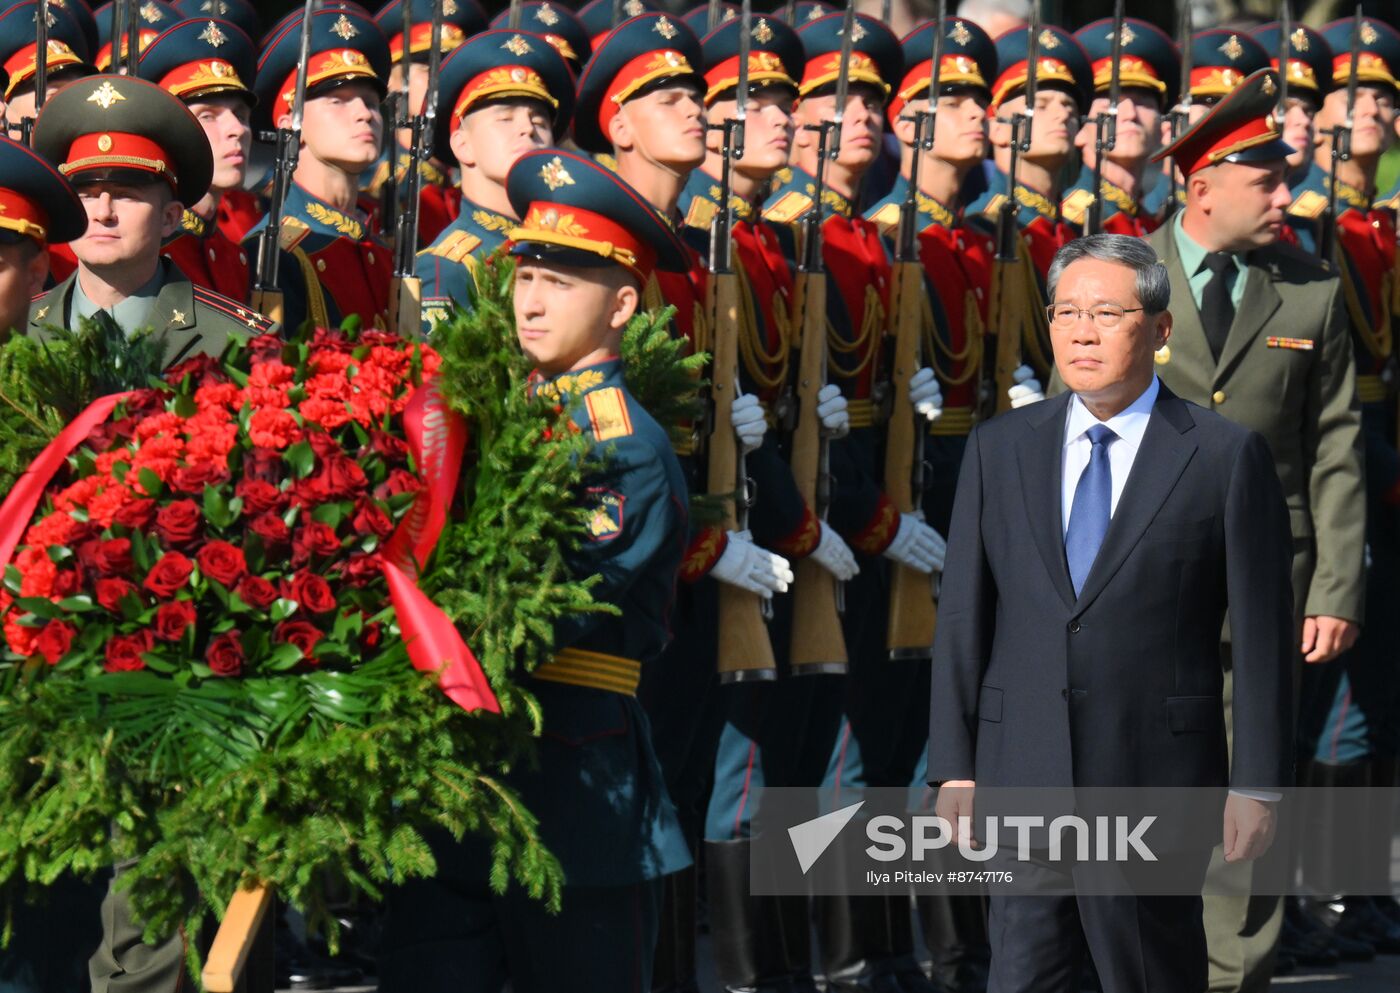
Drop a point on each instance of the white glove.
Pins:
(1027, 389)
(925, 395)
(751, 568)
(746, 414)
(832, 411)
(917, 545)
(834, 555)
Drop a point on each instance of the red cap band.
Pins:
(117, 150)
(644, 69)
(23, 216)
(576, 227)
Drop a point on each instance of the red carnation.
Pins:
(68, 582)
(303, 634)
(222, 562)
(173, 618)
(193, 478)
(329, 414)
(272, 427)
(225, 654)
(271, 529)
(312, 592)
(55, 640)
(263, 463)
(169, 576)
(257, 592)
(124, 651)
(111, 592)
(136, 515)
(179, 523)
(259, 496)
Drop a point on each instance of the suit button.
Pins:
(1218, 397)
(1073, 627)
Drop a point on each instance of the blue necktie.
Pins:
(1092, 507)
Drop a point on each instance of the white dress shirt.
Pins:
(1129, 424)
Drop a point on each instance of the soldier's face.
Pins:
(1373, 119)
(1053, 127)
(767, 129)
(493, 136)
(959, 128)
(1298, 128)
(862, 127)
(342, 126)
(417, 84)
(21, 103)
(567, 317)
(1241, 204)
(225, 120)
(665, 126)
(1139, 128)
(23, 267)
(126, 223)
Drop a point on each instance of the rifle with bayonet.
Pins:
(267, 295)
(513, 18)
(1327, 249)
(912, 611)
(818, 644)
(1285, 27)
(131, 49)
(745, 650)
(398, 119)
(1181, 113)
(1106, 126)
(406, 289)
(41, 70)
(1010, 308)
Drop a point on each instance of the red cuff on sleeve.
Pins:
(802, 540)
(703, 553)
(879, 531)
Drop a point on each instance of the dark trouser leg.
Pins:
(955, 930)
(123, 963)
(1036, 944)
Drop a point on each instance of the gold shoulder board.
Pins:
(607, 413)
(1310, 204)
(701, 213)
(788, 208)
(292, 232)
(886, 218)
(994, 205)
(1076, 205)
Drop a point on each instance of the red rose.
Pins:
(55, 640)
(361, 570)
(124, 651)
(179, 523)
(370, 519)
(303, 634)
(312, 592)
(111, 592)
(257, 592)
(136, 515)
(173, 618)
(68, 582)
(324, 445)
(225, 654)
(113, 557)
(202, 368)
(263, 463)
(259, 496)
(343, 477)
(399, 481)
(193, 478)
(271, 529)
(169, 575)
(314, 538)
(371, 635)
(386, 446)
(222, 562)
(266, 347)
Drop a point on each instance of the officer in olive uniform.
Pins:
(501, 94)
(330, 264)
(555, 24)
(118, 136)
(597, 789)
(1149, 80)
(209, 64)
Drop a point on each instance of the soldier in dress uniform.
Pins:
(597, 789)
(239, 13)
(37, 208)
(156, 16)
(438, 199)
(1149, 77)
(135, 155)
(697, 18)
(597, 17)
(330, 264)
(1349, 724)
(501, 94)
(210, 66)
(555, 24)
(1309, 69)
(760, 943)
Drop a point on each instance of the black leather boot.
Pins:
(673, 968)
(955, 931)
(746, 933)
(904, 962)
(854, 932)
(795, 920)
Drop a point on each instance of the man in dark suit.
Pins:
(1099, 540)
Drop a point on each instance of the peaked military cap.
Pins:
(578, 213)
(156, 16)
(495, 65)
(968, 58)
(1061, 64)
(36, 201)
(1378, 58)
(698, 17)
(201, 58)
(238, 12)
(1240, 128)
(642, 51)
(1221, 60)
(557, 25)
(460, 20)
(345, 45)
(875, 55)
(19, 48)
(811, 10)
(107, 123)
(1150, 60)
(597, 16)
(776, 56)
(295, 14)
(1309, 56)
(79, 12)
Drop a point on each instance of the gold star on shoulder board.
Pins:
(176, 317)
(41, 313)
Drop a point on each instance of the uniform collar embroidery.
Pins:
(832, 199)
(492, 221)
(430, 172)
(743, 210)
(935, 211)
(1040, 204)
(572, 383)
(1348, 194)
(193, 223)
(328, 217)
(1119, 197)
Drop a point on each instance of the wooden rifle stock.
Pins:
(745, 651)
(269, 303)
(818, 643)
(406, 305)
(1007, 309)
(246, 925)
(912, 611)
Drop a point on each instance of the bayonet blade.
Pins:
(741, 92)
(513, 22)
(430, 99)
(1115, 82)
(935, 78)
(1032, 71)
(299, 94)
(1352, 73)
(41, 56)
(1285, 49)
(843, 78)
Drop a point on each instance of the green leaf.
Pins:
(283, 657)
(216, 507)
(282, 608)
(329, 513)
(150, 482)
(80, 604)
(184, 405)
(301, 458)
(40, 607)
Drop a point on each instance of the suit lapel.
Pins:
(1188, 345)
(1256, 307)
(1040, 456)
(1166, 448)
